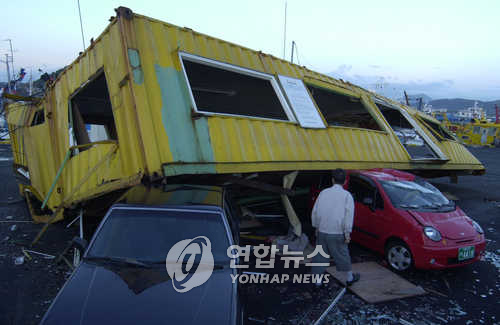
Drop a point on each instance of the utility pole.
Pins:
(11, 58)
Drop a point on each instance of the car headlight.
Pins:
(477, 227)
(432, 233)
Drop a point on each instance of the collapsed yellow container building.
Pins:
(149, 101)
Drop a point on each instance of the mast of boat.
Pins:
(31, 81)
(11, 57)
(8, 71)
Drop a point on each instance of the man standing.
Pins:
(332, 216)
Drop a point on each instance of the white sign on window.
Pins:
(301, 103)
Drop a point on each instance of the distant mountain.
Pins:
(456, 104)
(425, 99)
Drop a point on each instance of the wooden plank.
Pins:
(378, 284)
(259, 185)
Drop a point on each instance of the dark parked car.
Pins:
(122, 277)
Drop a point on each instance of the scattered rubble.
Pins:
(19, 260)
(492, 258)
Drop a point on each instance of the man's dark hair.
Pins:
(338, 176)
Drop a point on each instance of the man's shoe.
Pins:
(355, 278)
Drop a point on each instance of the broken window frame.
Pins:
(244, 71)
(38, 117)
(427, 123)
(73, 140)
(309, 82)
(418, 129)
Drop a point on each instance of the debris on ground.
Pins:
(19, 260)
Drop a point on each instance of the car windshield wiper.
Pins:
(216, 266)
(118, 260)
(430, 206)
(412, 206)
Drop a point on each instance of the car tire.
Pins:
(398, 256)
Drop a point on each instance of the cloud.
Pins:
(341, 71)
(374, 66)
(391, 87)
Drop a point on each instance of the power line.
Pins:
(81, 24)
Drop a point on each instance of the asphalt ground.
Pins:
(466, 295)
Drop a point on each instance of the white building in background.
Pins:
(428, 109)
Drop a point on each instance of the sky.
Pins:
(445, 49)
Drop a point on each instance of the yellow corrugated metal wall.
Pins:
(147, 88)
(242, 140)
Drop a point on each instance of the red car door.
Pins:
(363, 193)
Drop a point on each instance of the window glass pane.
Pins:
(217, 90)
(417, 195)
(438, 129)
(379, 202)
(341, 110)
(360, 189)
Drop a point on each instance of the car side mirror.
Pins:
(80, 244)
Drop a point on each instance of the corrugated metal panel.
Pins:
(244, 140)
(16, 118)
(459, 154)
(78, 168)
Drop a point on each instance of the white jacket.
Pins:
(333, 211)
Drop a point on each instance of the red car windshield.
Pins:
(416, 195)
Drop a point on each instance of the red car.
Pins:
(411, 221)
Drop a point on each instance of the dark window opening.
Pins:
(217, 90)
(341, 110)
(92, 113)
(492, 131)
(361, 189)
(414, 144)
(38, 118)
(439, 129)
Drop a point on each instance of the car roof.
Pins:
(385, 174)
(179, 195)
(198, 208)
